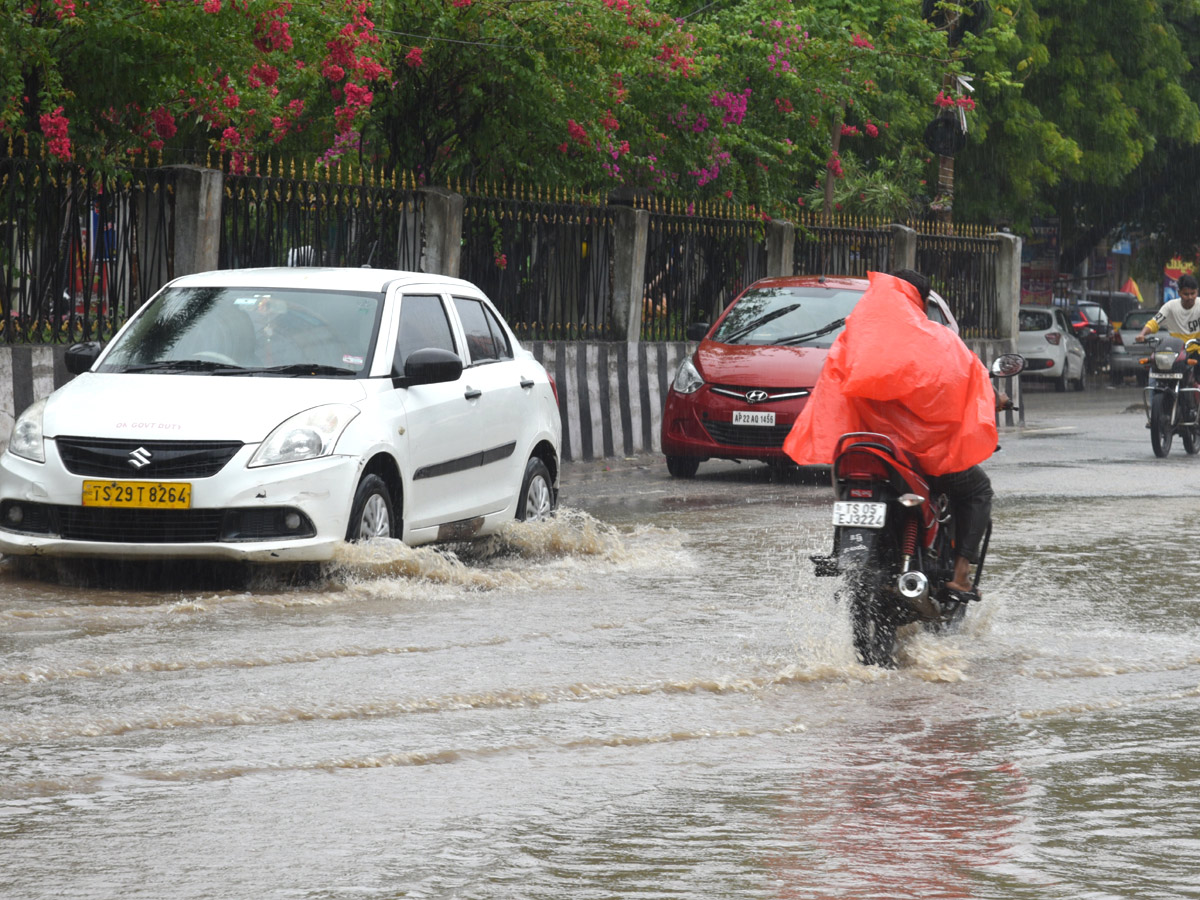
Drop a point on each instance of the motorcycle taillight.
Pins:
(860, 466)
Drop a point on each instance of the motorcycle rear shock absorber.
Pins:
(908, 545)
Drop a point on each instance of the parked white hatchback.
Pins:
(271, 414)
(1047, 341)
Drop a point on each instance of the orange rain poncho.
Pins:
(895, 372)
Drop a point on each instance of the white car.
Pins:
(1050, 347)
(271, 414)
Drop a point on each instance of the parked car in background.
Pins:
(1094, 329)
(271, 414)
(1051, 350)
(739, 394)
(1126, 356)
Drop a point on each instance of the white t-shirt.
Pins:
(1177, 321)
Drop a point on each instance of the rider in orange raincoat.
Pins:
(893, 371)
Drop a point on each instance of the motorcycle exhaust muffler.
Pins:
(914, 587)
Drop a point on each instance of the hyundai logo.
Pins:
(139, 458)
(756, 396)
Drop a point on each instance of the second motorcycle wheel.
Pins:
(1160, 424)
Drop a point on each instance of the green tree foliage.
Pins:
(1084, 110)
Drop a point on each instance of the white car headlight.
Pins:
(307, 435)
(26, 437)
(687, 379)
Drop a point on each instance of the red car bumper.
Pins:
(700, 425)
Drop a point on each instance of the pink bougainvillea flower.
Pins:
(164, 123)
(55, 127)
(577, 132)
(871, 129)
(859, 41)
(212, 7)
(414, 58)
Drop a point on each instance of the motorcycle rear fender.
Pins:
(850, 547)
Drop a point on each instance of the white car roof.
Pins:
(328, 278)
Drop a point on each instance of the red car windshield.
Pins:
(787, 315)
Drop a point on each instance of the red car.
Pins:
(738, 395)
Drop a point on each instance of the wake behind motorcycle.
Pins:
(894, 541)
(1172, 398)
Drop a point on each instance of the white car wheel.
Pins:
(371, 515)
(537, 493)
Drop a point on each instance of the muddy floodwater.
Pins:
(650, 696)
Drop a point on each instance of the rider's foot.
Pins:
(963, 593)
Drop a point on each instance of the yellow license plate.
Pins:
(138, 494)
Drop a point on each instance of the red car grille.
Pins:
(747, 435)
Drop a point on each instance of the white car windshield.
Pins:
(787, 316)
(259, 331)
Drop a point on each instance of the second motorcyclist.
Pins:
(1179, 317)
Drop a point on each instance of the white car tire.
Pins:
(537, 501)
(372, 514)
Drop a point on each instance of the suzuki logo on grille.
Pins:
(756, 396)
(139, 458)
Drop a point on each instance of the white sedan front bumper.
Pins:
(235, 514)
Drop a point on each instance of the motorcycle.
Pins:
(1171, 395)
(893, 541)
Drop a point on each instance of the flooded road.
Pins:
(651, 696)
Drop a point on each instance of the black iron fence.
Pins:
(696, 266)
(963, 271)
(545, 262)
(841, 250)
(79, 251)
(296, 220)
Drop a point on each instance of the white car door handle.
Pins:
(526, 383)
(472, 393)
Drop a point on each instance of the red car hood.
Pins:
(746, 365)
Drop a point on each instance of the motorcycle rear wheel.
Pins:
(872, 623)
(1160, 424)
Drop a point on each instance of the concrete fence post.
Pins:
(904, 248)
(443, 231)
(631, 230)
(781, 248)
(1008, 288)
(198, 195)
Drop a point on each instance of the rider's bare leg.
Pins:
(962, 575)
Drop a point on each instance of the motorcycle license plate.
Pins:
(1174, 375)
(859, 515)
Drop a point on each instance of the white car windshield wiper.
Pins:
(808, 336)
(183, 365)
(758, 323)
(296, 369)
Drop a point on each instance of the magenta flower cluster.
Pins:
(734, 106)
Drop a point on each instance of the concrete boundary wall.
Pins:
(611, 395)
